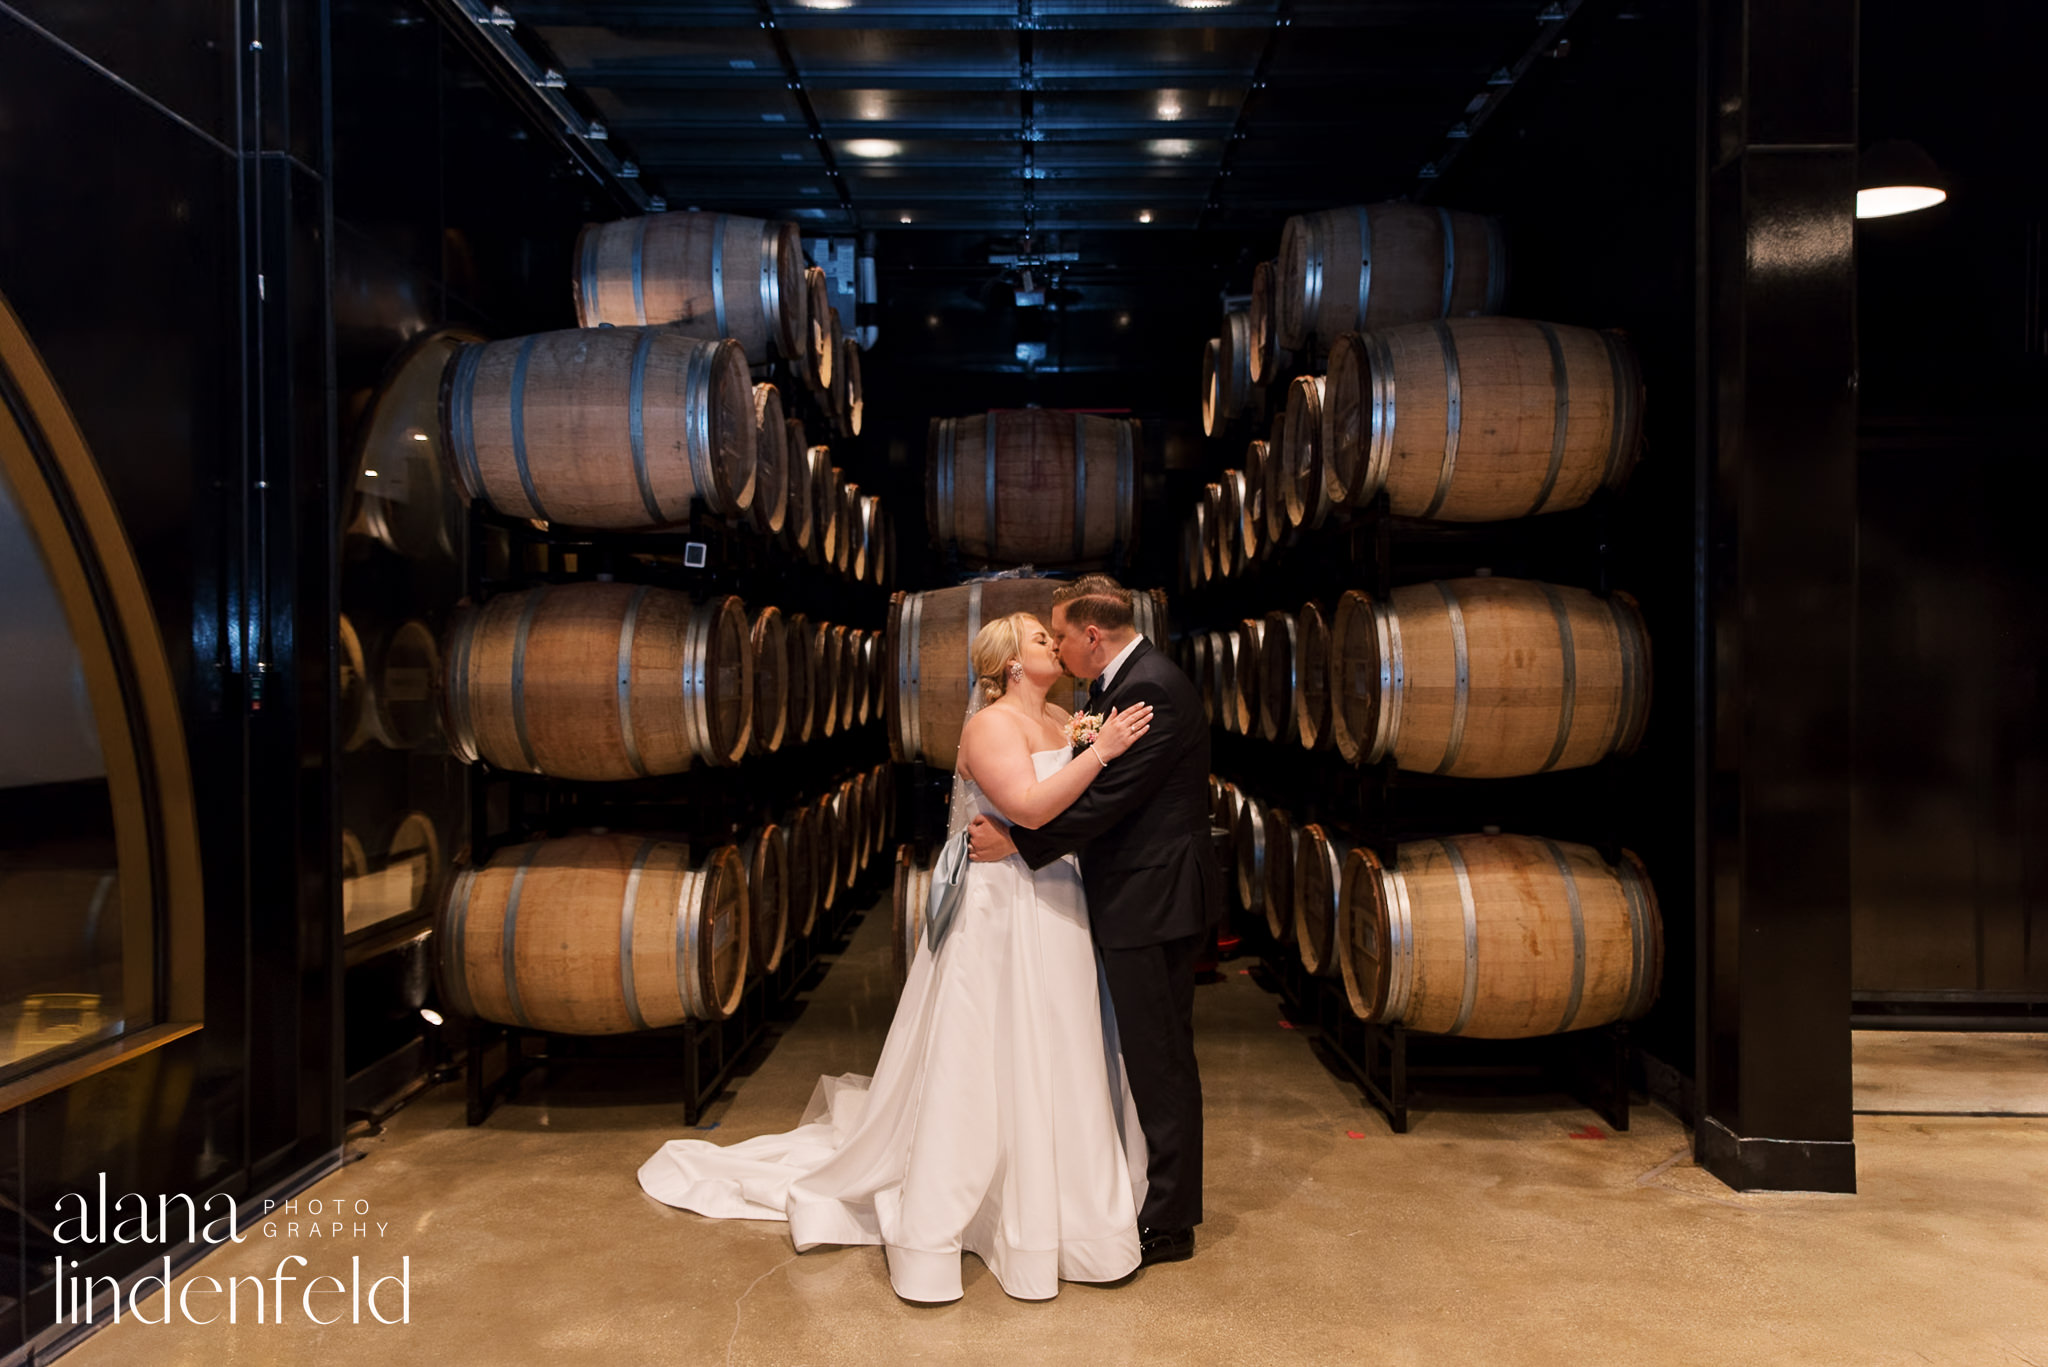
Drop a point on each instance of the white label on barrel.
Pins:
(405, 684)
(721, 933)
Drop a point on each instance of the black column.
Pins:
(1778, 507)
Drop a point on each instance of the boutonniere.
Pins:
(1082, 729)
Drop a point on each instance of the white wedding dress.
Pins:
(998, 1120)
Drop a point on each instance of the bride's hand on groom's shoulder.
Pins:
(989, 841)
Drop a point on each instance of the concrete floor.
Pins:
(1510, 1233)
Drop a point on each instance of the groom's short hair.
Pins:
(1096, 600)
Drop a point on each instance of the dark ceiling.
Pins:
(1003, 116)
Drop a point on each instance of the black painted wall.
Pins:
(156, 165)
(1951, 880)
(211, 266)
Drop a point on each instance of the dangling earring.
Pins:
(1016, 672)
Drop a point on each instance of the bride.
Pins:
(998, 1121)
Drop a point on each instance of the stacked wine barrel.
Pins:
(1408, 397)
(1416, 394)
(660, 411)
(1034, 486)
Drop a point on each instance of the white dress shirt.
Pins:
(1115, 666)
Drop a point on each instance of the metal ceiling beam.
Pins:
(628, 15)
(1281, 21)
(794, 79)
(667, 76)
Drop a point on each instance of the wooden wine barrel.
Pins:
(1488, 678)
(871, 682)
(765, 855)
(595, 935)
(1249, 832)
(926, 646)
(825, 835)
(1496, 418)
(1229, 655)
(1223, 806)
(1319, 857)
(602, 427)
(1234, 552)
(853, 676)
(821, 358)
(800, 825)
(1279, 894)
(701, 274)
(1267, 359)
(799, 679)
(1251, 512)
(355, 867)
(771, 456)
(835, 390)
(600, 681)
(1211, 506)
(405, 701)
(1246, 670)
(771, 682)
(1379, 265)
(1306, 481)
(854, 532)
(851, 400)
(1034, 486)
(909, 896)
(1312, 678)
(1226, 374)
(355, 718)
(825, 512)
(1500, 937)
(885, 798)
(867, 528)
(824, 682)
(846, 822)
(1277, 651)
(799, 515)
(408, 877)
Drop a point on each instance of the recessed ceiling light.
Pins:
(1169, 107)
(1170, 147)
(825, 4)
(1202, 4)
(1144, 215)
(905, 218)
(873, 147)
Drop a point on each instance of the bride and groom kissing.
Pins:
(1037, 1101)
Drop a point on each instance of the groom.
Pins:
(1154, 889)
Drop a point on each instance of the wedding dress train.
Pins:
(997, 1122)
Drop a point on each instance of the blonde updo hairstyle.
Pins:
(995, 645)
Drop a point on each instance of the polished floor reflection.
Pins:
(1514, 1232)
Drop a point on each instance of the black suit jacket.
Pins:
(1142, 827)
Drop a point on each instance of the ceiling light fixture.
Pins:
(1897, 178)
(1202, 4)
(1170, 147)
(873, 147)
(1144, 215)
(824, 4)
(1169, 107)
(905, 218)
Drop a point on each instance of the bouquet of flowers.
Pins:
(1083, 728)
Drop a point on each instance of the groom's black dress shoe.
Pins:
(1165, 1246)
